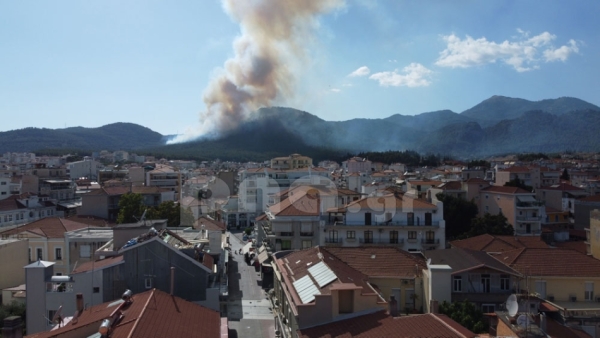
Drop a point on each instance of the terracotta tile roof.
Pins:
(462, 260)
(381, 325)
(50, 227)
(593, 198)
(452, 185)
(401, 202)
(151, 314)
(557, 330)
(91, 220)
(505, 190)
(578, 246)
(380, 261)
(562, 187)
(551, 262)
(515, 169)
(476, 180)
(489, 243)
(304, 205)
(208, 261)
(98, 265)
(10, 203)
(209, 224)
(422, 182)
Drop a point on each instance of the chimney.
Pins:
(393, 307)
(434, 306)
(172, 280)
(13, 327)
(79, 302)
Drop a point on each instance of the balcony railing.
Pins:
(286, 234)
(307, 234)
(386, 241)
(525, 232)
(390, 223)
(433, 241)
(529, 218)
(535, 204)
(333, 240)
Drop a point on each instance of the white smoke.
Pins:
(274, 35)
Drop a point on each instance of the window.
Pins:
(488, 308)
(457, 284)
(306, 244)
(148, 283)
(428, 218)
(333, 236)
(286, 244)
(30, 254)
(351, 234)
(487, 208)
(96, 289)
(58, 254)
(3, 183)
(368, 236)
(504, 282)
(367, 218)
(487, 196)
(394, 237)
(39, 254)
(589, 290)
(410, 218)
(499, 211)
(412, 235)
(85, 251)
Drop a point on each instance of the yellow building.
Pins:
(294, 161)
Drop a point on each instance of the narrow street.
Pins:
(248, 309)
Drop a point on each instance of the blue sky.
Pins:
(84, 63)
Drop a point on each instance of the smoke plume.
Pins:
(273, 40)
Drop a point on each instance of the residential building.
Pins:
(14, 253)
(529, 176)
(396, 273)
(357, 165)
(583, 208)
(519, 206)
(392, 219)
(87, 168)
(104, 202)
(152, 313)
(81, 244)
(451, 188)
(593, 235)
(313, 287)
(419, 188)
(5, 187)
(26, 208)
(474, 276)
(58, 190)
(294, 161)
(165, 177)
(562, 197)
(490, 243)
(468, 173)
(382, 324)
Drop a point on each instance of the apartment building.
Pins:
(519, 206)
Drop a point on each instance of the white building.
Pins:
(87, 168)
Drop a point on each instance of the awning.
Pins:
(527, 198)
(263, 256)
(247, 248)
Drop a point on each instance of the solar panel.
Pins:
(322, 274)
(306, 289)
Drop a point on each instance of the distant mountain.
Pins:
(495, 126)
(498, 108)
(126, 136)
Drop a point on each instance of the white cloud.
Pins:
(335, 90)
(362, 71)
(413, 75)
(562, 53)
(522, 55)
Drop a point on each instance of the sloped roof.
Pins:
(452, 185)
(50, 227)
(551, 262)
(515, 169)
(209, 224)
(304, 205)
(98, 265)
(11, 203)
(490, 243)
(382, 325)
(505, 190)
(380, 261)
(562, 187)
(401, 201)
(578, 246)
(463, 260)
(153, 313)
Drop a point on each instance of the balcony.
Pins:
(430, 243)
(529, 218)
(528, 233)
(381, 242)
(333, 241)
(529, 205)
(286, 234)
(388, 224)
(307, 234)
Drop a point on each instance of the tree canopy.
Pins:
(466, 314)
(131, 208)
(174, 214)
(490, 224)
(519, 183)
(458, 214)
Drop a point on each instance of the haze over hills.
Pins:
(495, 126)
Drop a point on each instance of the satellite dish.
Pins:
(512, 306)
(523, 321)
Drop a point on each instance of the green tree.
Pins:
(187, 217)
(458, 214)
(519, 183)
(565, 175)
(466, 314)
(131, 208)
(490, 224)
(14, 308)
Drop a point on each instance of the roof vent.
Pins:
(103, 330)
(127, 295)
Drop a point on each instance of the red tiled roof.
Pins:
(476, 180)
(209, 224)
(382, 325)
(98, 265)
(578, 246)
(208, 261)
(401, 202)
(551, 262)
(151, 314)
(562, 187)
(489, 243)
(380, 261)
(452, 185)
(593, 198)
(10, 203)
(505, 190)
(50, 227)
(557, 330)
(304, 205)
